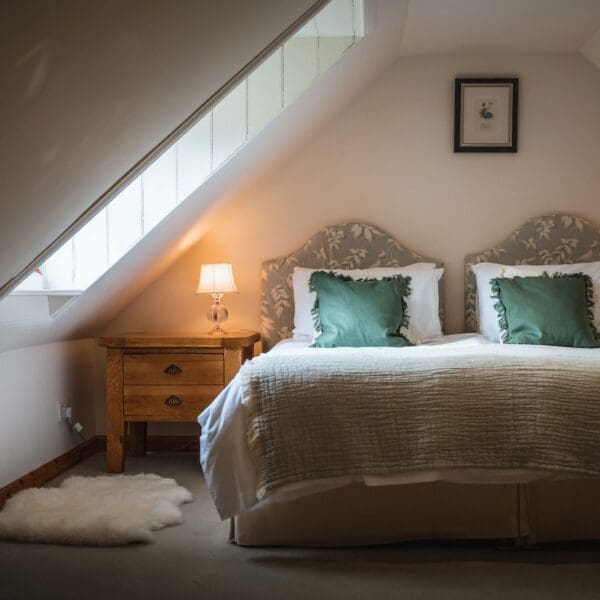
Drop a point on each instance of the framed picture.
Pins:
(486, 115)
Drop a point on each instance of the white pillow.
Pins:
(487, 316)
(592, 269)
(422, 305)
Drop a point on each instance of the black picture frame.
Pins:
(459, 82)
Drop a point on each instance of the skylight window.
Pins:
(188, 163)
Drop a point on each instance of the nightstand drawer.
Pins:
(173, 369)
(167, 402)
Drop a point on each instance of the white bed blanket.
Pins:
(231, 474)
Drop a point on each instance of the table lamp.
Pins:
(216, 279)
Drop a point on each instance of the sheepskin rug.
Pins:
(98, 511)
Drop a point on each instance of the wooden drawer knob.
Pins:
(173, 401)
(173, 370)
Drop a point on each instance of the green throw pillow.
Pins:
(366, 312)
(548, 310)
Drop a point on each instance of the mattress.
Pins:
(231, 475)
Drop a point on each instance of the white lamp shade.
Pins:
(216, 279)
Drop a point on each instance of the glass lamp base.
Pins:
(217, 314)
(216, 330)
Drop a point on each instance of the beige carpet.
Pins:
(195, 561)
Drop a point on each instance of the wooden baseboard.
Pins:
(53, 468)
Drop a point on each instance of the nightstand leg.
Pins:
(115, 424)
(137, 438)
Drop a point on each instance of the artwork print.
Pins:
(486, 115)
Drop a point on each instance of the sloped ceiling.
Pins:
(398, 27)
(492, 26)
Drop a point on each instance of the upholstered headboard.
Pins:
(346, 246)
(549, 239)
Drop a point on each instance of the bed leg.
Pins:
(516, 544)
(232, 531)
(522, 543)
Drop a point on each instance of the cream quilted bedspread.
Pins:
(354, 412)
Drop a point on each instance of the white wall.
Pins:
(33, 380)
(387, 159)
(87, 88)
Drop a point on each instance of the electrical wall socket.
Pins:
(64, 411)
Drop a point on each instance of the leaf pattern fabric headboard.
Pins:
(345, 246)
(550, 239)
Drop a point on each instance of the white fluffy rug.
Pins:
(99, 511)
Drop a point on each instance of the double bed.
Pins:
(454, 438)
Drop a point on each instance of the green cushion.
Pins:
(366, 312)
(548, 310)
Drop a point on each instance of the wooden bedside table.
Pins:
(160, 377)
